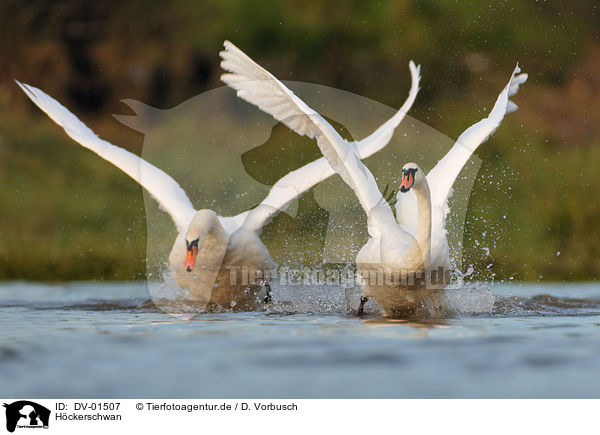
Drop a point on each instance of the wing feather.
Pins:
(170, 196)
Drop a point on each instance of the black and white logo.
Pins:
(26, 414)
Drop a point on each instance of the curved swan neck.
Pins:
(423, 235)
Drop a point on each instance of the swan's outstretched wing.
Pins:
(161, 186)
(442, 176)
(296, 182)
(257, 86)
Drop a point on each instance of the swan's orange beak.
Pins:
(190, 258)
(408, 179)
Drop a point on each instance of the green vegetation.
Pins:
(66, 214)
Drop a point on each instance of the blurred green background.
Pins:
(66, 214)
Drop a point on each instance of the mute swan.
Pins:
(415, 243)
(421, 210)
(208, 245)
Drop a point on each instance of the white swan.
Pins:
(208, 245)
(421, 210)
(393, 247)
(397, 261)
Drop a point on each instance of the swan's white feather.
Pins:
(257, 86)
(170, 196)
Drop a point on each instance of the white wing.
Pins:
(161, 186)
(257, 86)
(442, 176)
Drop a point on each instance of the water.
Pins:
(103, 340)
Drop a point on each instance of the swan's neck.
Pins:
(422, 241)
(207, 229)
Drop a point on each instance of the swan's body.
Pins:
(393, 263)
(220, 257)
(216, 247)
(415, 243)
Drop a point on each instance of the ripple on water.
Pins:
(545, 305)
(8, 353)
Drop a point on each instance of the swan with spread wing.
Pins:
(415, 243)
(209, 245)
(421, 211)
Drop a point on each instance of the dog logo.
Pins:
(26, 414)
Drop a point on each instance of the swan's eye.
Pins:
(192, 244)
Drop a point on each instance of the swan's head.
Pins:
(192, 238)
(412, 175)
(195, 235)
(191, 247)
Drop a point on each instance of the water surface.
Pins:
(105, 340)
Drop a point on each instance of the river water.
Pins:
(105, 340)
